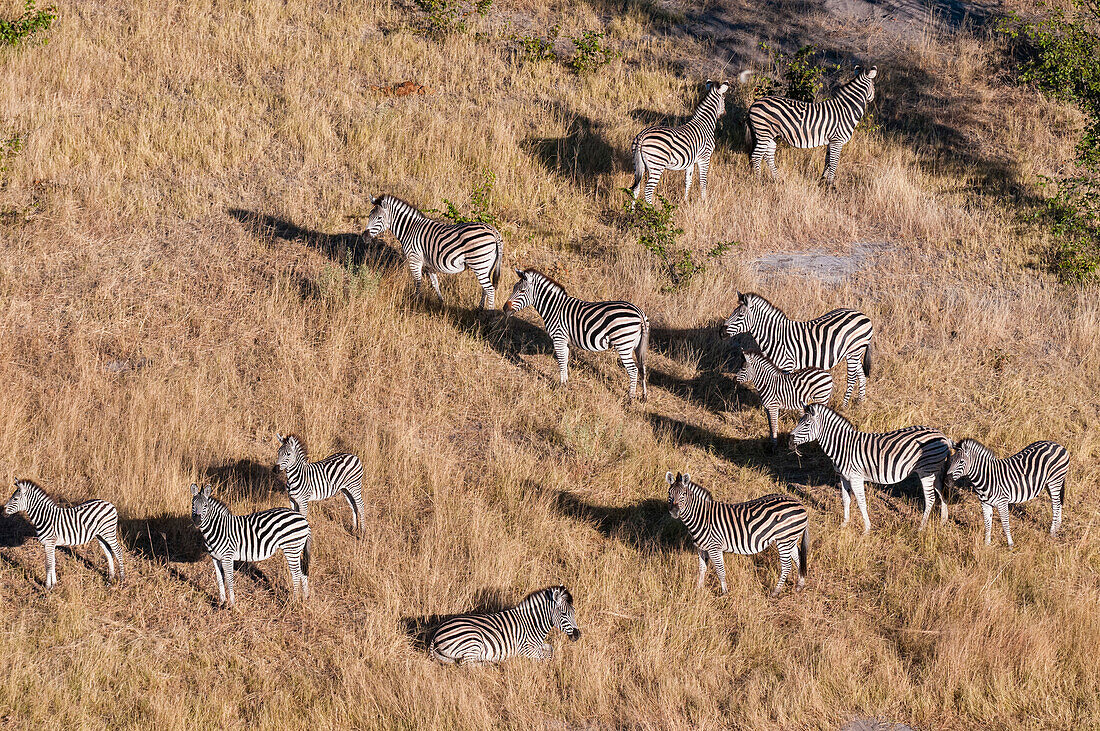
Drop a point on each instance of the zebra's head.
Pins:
(867, 79)
(200, 504)
(379, 219)
(747, 372)
(18, 500)
(740, 320)
(564, 619)
(716, 97)
(961, 462)
(521, 293)
(291, 453)
(808, 428)
(679, 493)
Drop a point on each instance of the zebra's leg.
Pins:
(987, 515)
(1056, 489)
(110, 558)
(845, 500)
(855, 370)
(785, 563)
(928, 488)
(769, 155)
(488, 292)
(227, 573)
(1002, 509)
(832, 152)
(654, 177)
(861, 501)
(434, 279)
(561, 353)
(702, 569)
(688, 175)
(221, 581)
(704, 168)
(294, 566)
(627, 358)
(51, 564)
(355, 502)
(719, 562)
(937, 486)
(773, 423)
(416, 269)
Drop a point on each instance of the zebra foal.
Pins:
(336, 474)
(1001, 482)
(254, 537)
(810, 124)
(820, 343)
(744, 528)
(57, 526)
(779, 389)
(441, 248)
(593, 326)
(519, 631)
(884, 459)
(686, 147)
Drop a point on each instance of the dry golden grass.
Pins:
(147, 123)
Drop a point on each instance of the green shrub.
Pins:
(31, 22)
(658, 233)
(802, 74)
(591, 53)
(533, 49)
(480, 198)
(449, 17)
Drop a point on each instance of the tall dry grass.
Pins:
(159, 136)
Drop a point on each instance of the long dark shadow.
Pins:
(422, 628)
(642, 525)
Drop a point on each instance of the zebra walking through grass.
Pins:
(779, 389)
(810, 124)
(336, 474)
(57, 526)
(1002, 482)
(885, 458)
(593, 326)
(686, 147)
(254, 537)
(520, 631)
(441, 248)
(744, 528)
(820, 343)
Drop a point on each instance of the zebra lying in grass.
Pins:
(441, 248)
(75, 526)
(336, 474)
(254, 537)
(810, 124)
(779, 389)
(1016, 479)
(885, 459)
(497, 636)
(690, 145)
(589, 325)
(819, 343)
(744, 528)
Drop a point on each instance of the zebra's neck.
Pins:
(538, 614)
(217, 519)
(765, 373)
(295, 471)
(402, 218)
(852, 98)
(694, 514)
(41, 510)
(984, 464)
(768, 325)
(836, 433)
(547, 299)
(706, 116)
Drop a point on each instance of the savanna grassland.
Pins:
(182, 276)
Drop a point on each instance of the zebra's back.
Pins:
(890, 457)
(450, 248)
(260, 535)
(82, 523)
(751, 526)
(795, 122)
(1025, 474)
(672, 148)
(602, 325)
(336, 472)
(478, 637)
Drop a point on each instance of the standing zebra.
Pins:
(658, 148)
(57, 526)
(779, 389)
(810, 124)
(822, 343)
(521, 630)
(254, 537)
(441, 248)
(885, 458)
(589, 325)
(1016, 479)
(743, 528)
(335, 474)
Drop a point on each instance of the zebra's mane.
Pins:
(745, 352)
(973, 446)
(698, 490)
(836, 416)
(297, 440)
(401, 204)
(712, 96)
(549, 280)
(548, 592)
(32, 487)
(752, 298)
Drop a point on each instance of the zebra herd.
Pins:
(789, 367)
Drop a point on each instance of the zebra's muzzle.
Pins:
(574, 635)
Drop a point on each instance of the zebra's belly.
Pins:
(255, 554)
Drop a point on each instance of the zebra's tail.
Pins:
(494, 275)
(804, 552)
(639, 167)
(640, 354)
(306, 550)
(867, 360)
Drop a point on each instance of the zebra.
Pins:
(779, 389)
(743, 528)
(521, 630)
(441, 248)
(57, 526)
(1016, 479)
(820, 343)
(659, 148)
(810, 124)
(885, 458)
(335, 474)
(254, 537)
(592, 326)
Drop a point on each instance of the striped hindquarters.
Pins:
(1025, 474)
(259, 535)
(82, 523)
(890, 457)
(829, 339)
(672, 148)
(479, 638)
(750, 527)
(329, 476)
(601, 325)
(449, 248)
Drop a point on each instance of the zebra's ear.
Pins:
(206, 490)
(376, 200)
(723, 88)
(873, 72)
(669, 478)
(280, 437)
(521, 274)
(687, 478)
(740, 298)
(194, 489)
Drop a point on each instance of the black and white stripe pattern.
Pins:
(336, 474)
(589, 325)
(520, 631)
(1016, 479)
(57, 526)
(690, 145)
(806, 124)
(779, 389)
(884, 459)
(821, 343)
(440, 248)
(254, 537)
(743, 528)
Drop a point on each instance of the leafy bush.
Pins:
(591, 53)
(448, 17)
(480, 197)
(657, 232)
(31, 22)
(533, 48)
(802, 74)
